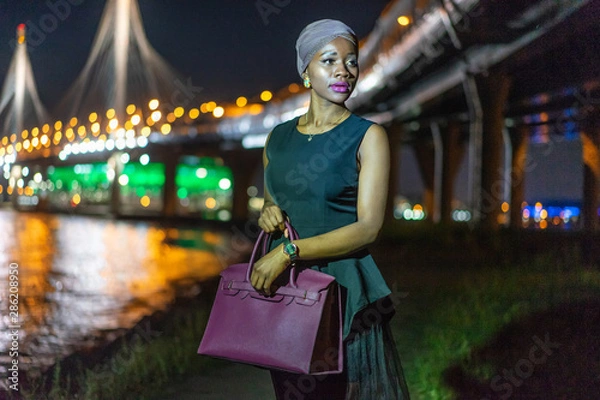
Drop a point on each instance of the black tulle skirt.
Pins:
(372, 371)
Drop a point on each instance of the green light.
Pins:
(187, 176)
(182, 193)
(207, 185)
(152, 174)
(88, 181)
(88, 176)
(143, 180)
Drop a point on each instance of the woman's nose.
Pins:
(342, 71)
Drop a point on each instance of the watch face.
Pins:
(291, 250)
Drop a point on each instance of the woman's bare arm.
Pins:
(271, 217)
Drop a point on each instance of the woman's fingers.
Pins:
(262, 285)
(266, 270)
(264, 225)
(257, 281)
(271, 219)
(262, 282)
(258, 278)
(275, 217)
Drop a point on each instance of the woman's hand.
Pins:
(271, 218)
(267, 269)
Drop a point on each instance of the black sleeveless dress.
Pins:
(314, 180)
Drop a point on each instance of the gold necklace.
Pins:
(310, 135)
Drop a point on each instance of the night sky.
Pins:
(226, 47)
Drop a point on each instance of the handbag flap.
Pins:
(307, 280)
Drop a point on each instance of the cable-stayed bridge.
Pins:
(462, 82)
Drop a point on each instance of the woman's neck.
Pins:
(322, 112)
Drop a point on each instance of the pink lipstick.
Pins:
(340, 87)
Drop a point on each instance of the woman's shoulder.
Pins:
(362, 121)
(359, 127)
(280, 133)
(286, 125)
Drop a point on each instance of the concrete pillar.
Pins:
(169, 206)
(590, 244)
(453, 151)
(425, 154)
(493, 91)
(43, 205)
(590, 139)
(4, 188)
(519, 139)
(243, 164)
(115, 164)
(15, 189)
(438, 163)
(395, 137)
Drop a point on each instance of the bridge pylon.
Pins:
(122, 68)
(20, 105)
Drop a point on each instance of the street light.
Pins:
(403, 20)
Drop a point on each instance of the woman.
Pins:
(327, 171)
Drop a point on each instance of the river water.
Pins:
(85, 280)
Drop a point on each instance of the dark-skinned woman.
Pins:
(327, 172)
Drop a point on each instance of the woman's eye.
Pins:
(329, 61)
(352, 63)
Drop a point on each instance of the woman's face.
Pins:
(333, 71)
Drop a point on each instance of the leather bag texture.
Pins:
(297, 329)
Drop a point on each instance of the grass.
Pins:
(468, 313)
(139, 367)
(448, 318)
(464, 319)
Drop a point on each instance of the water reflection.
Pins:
(82, 279)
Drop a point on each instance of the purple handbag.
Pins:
(297, 329)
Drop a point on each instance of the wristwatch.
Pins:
(291, 250)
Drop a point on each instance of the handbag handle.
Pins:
(293, 235)
(263, 239)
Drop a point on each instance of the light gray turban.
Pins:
(318, 34)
